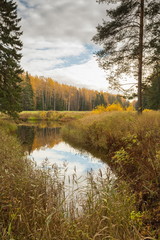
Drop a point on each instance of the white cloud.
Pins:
(88, 75)
(54, 32)
(40, 57)
(67, 19)
(73, 159)
(50, 51)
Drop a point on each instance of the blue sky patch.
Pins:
(82, 58)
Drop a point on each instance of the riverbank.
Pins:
(34, 204)
(60, 116)
(130, 144)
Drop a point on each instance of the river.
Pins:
(44, 143)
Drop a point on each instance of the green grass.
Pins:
(9, 126)
(130, 144)
(61, 116)
(36, 206)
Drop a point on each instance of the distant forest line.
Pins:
(39, 93)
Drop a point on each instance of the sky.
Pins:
(57, 40)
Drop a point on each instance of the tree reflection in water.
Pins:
(37, 137)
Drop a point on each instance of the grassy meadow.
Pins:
(36, 206)
(61, 116)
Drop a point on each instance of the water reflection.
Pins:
(74, 159)
(34, 137)
(46, 142)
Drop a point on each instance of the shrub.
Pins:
(109, 108)
(114, 107)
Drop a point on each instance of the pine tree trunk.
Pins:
(141, 33)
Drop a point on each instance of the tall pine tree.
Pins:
(10, 45)
(130, 39)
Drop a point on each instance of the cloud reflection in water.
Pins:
(75, 159)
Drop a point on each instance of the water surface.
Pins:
(43, 142)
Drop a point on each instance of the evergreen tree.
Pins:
(10, 45)
(99, 100)
(131, 40)
(27, 94)
(151, 95)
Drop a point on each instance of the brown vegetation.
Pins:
(130, 144)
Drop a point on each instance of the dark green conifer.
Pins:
(10, 45)
(27, 94)
(151, 92)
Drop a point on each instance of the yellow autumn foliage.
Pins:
(130, 108)
(113, 107)
(147, 110)
(109, 108)
(99, 109)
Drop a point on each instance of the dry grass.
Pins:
(131, 146)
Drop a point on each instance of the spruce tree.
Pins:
(130, 39)
(27, 94)
(151, 92)
(10, 45)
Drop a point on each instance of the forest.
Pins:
(40, 93)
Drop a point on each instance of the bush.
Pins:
(112, 108)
